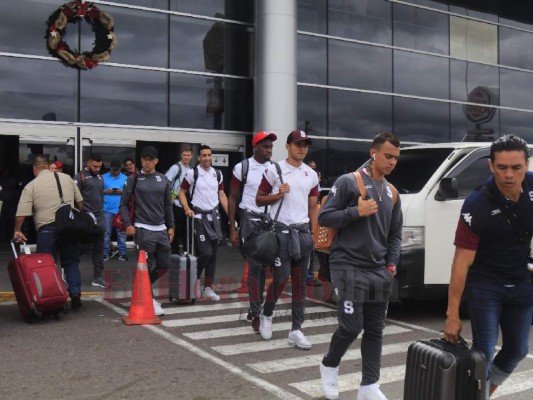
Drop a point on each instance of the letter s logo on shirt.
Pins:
(158, 178)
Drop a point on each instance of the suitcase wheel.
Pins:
(193, 301)
(57, 315)
(170, 298)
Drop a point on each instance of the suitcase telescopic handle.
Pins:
(23, 245)
(190, 235)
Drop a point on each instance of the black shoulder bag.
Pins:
(72, 225)
(262, 243)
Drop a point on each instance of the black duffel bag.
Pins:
(74, 225)
(262, 243)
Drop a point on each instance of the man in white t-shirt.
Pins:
(246, 178)
(293, 200)
(175, 175)
(206, 193)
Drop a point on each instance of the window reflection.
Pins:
(210, 103)
(473, 40)
(239, 10)
(30, 89)
(360, 66)
(517, 122)
(421, 75)
(515, 48)
(471, 123)
(312, 110)
(212, 46)
(358, 115)
(360, 19)
(421, 120)
(420, 29)
(312, 16)
(124, 96)
(512, 85)
(160, 4)
(466, 76)
(312, 59)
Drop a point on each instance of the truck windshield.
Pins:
(415, 167)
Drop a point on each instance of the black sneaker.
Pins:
(114, 252)
(106, 258)
(255, 324)
(75, 301)
(123, 258)
(249, 316)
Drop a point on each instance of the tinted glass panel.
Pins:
(210, 103)
(467, 76)
(36, 89)
(473, 123)
(239, 10)
(416, 28)
(516, 49)
(474, 14)
(344, 157)
(358, 115)
(517, 122)
(473, 40)
(312, 110)
(421, 75)
(142, 37)
(23, 26)
(416, 167)
(124, 96)
(160, 4)
(429, 3)
(360, 19)
(312, 59)
(312, 16)
(360, 66)
(203, 45)
(421, 120)
(473, 177)
(512, 85)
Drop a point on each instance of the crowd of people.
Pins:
(490, 263)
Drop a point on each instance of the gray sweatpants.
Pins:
(297, 268)
(157, 245)
(363, 297)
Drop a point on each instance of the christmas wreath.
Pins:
(102, 26)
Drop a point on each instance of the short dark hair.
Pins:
(185, 147)
(40, 160)
(204, 147)
(96, 157)
(128, 159)
(509, 143)
(384, 137)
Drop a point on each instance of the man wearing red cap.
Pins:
(246, 178)
(59, 166)
(293, 199)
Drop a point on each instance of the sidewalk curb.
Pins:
(10, 296)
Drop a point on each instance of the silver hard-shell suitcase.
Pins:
(183, 270)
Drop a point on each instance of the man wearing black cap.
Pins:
(294, 195)
(113, 184)
(246, 178)
(153, 225)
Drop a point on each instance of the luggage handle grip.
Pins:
(461, 341)
(23, 245)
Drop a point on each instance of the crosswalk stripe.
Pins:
(350, 382)
(234, 317)
(214, 307)
(315, 359)
(223, 296)
(247, 330)
(517, 382)
(253, 347)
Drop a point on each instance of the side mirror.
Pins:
(448, 189)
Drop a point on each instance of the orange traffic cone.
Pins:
(142, 307)
(244, 281)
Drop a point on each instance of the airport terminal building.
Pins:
(214, 71)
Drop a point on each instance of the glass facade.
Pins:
(430, 71)
(178, 63)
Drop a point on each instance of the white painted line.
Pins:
(223, 296)
(233, 317)
(265, 345)
(314, 360)
(247, 330)
(517, 382)
(210, 306)
(269, 387)
(350, 382)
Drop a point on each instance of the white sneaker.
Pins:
(197, 289)
(265, 326)
(370, 392)
(157, 308)
(210, 294)
(328, 378)
(298, 339)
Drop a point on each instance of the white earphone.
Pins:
(373, 156)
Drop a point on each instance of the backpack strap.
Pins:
(177, 176)
(195, 171)
(362, 189)
(244, 174)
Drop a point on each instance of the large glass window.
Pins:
(358, 115)
(516, 49)
(473, 123)
(312, 110)
(517, 122)
(467, 76)
(473, 40)
(360, 19)
(312, 59)
(421, 120)
(37, 89)
(312, 16)
(239, 10)
(420, 29)
(203, 45)
(359, 66)
(160, 4)
(421, 75)
(210, 103)
(124, 96)
(514, 89)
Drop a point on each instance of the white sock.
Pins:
(371, 388)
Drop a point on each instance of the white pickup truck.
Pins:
(433, 180)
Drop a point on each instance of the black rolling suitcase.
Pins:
(439, 370)
(182, 272)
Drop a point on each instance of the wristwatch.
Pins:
(392, 269)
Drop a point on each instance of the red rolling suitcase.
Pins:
(37, 285)
(439, 370)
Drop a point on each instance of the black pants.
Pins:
(207, 253)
